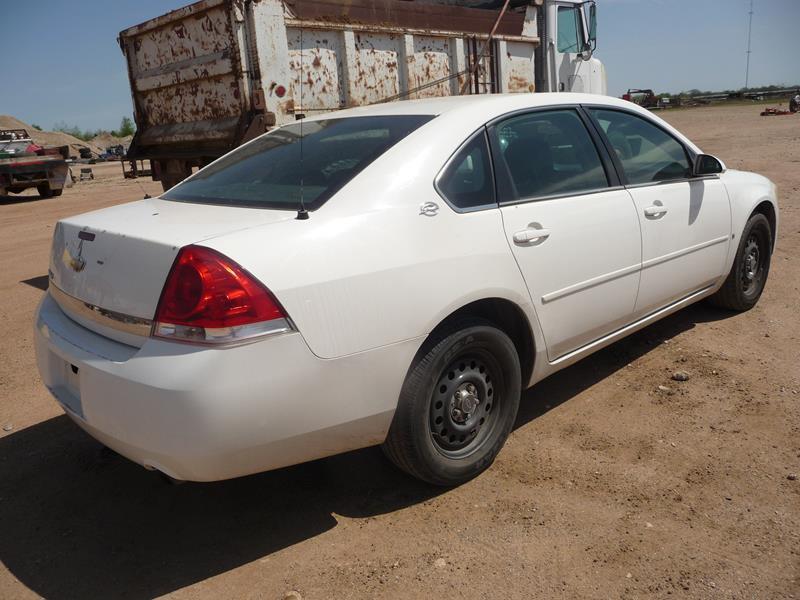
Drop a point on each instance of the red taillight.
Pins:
(209, 298)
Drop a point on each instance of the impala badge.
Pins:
(429, 209)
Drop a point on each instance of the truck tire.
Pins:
(750, 269)
(56, 193)
(173, 171)
(457, 405)
(44, 190)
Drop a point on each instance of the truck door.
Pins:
(571, 71)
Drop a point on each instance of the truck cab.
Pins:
(565, 57)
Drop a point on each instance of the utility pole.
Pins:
(749, 31)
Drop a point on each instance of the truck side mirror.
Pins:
(590, 35)
(593, 26)
(705, 164)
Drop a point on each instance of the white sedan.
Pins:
(393, 275)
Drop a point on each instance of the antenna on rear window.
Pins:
(302, 214)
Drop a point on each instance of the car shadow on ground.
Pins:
(560, 387)
(78, 521)
(4, 200)
(40, 282)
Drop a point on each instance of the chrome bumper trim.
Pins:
(96, 314)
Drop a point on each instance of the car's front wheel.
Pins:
(457, 405)
(750, 269)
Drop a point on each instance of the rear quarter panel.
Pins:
(367, 269)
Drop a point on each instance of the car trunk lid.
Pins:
(109, 266)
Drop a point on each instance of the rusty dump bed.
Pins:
(206, 77)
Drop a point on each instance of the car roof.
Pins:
(460, 115)
(489, 104)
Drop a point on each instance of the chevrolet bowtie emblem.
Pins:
(77, 262)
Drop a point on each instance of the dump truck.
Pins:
(212, 75)
(24, 165)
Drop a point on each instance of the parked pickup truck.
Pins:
(23, 165)
(212, 75)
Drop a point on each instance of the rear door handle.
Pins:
(655, 211)
(530, 235)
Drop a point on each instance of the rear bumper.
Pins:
(205, 414)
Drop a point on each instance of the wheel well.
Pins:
(508, 317)
(766, 209)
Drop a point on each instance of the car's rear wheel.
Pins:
(750, 269)
(457, 405)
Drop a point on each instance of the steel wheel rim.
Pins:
(752, 265)
(465, 404)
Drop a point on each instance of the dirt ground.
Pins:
(608, 487)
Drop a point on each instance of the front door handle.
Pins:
(656, 212)
(529, 235)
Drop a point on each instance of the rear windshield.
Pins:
(276, 170)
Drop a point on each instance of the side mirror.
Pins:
(589, 10)
(593, 26)
(705, 164)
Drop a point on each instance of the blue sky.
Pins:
(66, 66)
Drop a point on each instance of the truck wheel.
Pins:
(56, 192)
(44, 191)
(173, 171)
(457, 405)
(750, 269)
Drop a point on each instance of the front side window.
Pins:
(467, 181)
(569, 28)
(277, 170)
(648, 153)
(544, 154)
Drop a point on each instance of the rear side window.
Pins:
(467, 181)
(276, 170)
(648, 153)
(545, 154)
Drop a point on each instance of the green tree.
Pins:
(126, 127)
(73, 131)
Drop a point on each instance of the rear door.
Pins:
(573, 230)
(685, 221)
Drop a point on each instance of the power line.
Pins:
(749, 32)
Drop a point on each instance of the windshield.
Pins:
(274, 170)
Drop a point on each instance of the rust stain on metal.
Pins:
(201, 70)
(519, 84)
(407, 14)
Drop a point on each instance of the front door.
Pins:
(686, 222)
(575, 238)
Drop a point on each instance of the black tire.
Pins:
(56, 193)
(431, 437)
(44, 191)
(750, 269)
